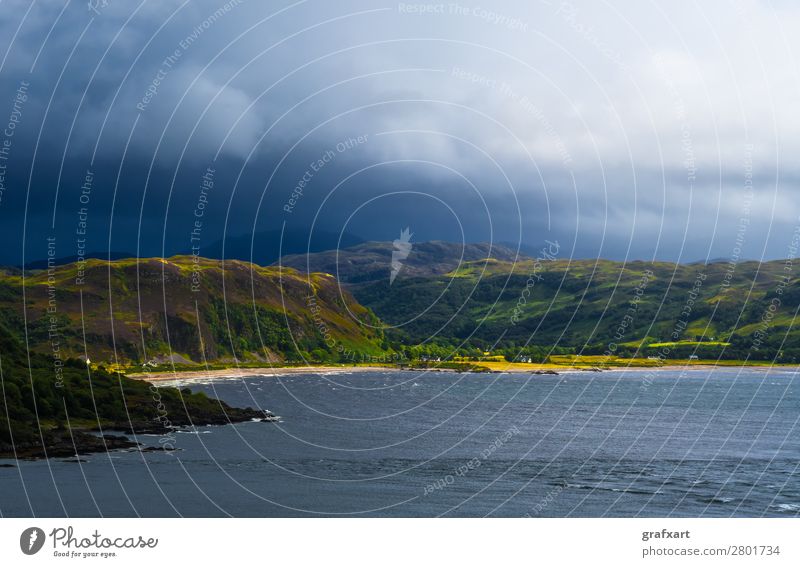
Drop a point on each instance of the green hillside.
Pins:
(595, 307)
(185, 310)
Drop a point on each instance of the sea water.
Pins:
(704, 442)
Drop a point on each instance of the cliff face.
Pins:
(185, 308)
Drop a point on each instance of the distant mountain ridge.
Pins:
(264, 248)
(372, 261)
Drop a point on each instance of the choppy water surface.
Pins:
(622, 443)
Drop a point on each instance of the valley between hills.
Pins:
(74, 336)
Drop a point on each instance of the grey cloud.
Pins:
(653, 110)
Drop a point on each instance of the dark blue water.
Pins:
(622, 443)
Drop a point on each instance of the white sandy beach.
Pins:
(244, 372)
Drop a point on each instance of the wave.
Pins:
(717, 500)
(628, 490)
(787, 507)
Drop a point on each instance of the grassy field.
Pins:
(687, 343)
(589, 362)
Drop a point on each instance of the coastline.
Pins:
(511, 368)
(78, 441)
(234, 372)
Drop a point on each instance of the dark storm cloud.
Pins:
(622, 132)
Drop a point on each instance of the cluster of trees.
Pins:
(774, 347)
(476, 352)
(38, 393)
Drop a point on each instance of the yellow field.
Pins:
(588, 362)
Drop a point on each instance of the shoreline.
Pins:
(235, 372)
(545, 369)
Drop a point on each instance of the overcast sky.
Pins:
(628, 130)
